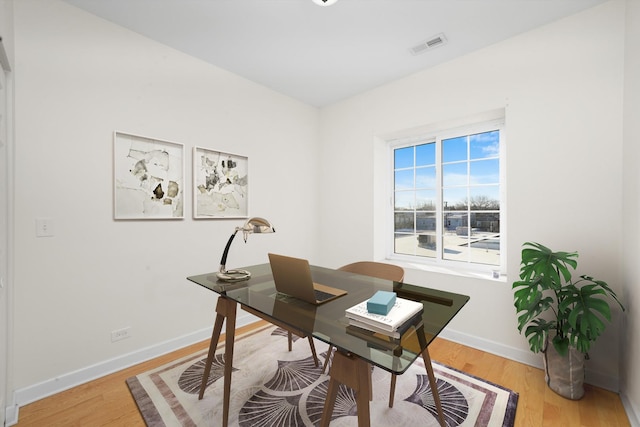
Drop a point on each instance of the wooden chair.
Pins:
(290, 332)
(379, 270)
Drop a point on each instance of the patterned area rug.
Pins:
(274, 387)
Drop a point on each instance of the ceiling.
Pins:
(321, 55)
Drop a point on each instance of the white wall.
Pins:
(561, 86)
(6, 150)
(78, 79)
(6, 194)
(630, 343)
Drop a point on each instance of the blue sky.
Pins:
(467, 160)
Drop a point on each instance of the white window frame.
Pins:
(437, 135)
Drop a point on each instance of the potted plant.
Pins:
(552, 307)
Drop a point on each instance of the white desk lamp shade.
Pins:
(253, 225)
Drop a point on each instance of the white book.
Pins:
(374, 328)
(401, 311)
(393, 334)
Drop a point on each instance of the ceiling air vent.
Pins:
(432, 43)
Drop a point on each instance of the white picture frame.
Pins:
(148, 178)
(220, 184)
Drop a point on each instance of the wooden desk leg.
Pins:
(213, 345)
(353, 372)
(228, 358)
(434, 386)
(225, 309)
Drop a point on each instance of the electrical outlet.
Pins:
(120, 334)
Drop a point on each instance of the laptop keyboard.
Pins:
(321, 296)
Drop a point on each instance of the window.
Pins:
(447, 196)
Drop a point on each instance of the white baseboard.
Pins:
(52, 386)
(631, 410)
(519, 355)
(11, 415)
(64, 382)
(597, 379)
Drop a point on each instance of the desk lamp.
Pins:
(253, 225)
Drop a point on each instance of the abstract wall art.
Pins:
(220, 184)
(148, 178)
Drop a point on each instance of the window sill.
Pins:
(481, 274)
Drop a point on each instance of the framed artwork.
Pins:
(148, 178)
(220, 184)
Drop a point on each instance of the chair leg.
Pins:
(313, 347)
(313, 350)
(326, 359)
(370, 384)
(392, 390)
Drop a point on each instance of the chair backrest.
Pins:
(380, 270)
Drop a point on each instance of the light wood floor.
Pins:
(107, 401)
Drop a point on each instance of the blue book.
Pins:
(381, 302)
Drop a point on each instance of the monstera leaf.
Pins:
(530, 301)
(587, 308)
(552, 268)
(537, 333)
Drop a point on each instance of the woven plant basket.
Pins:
(564, 374)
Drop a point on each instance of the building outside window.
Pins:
(447, 196)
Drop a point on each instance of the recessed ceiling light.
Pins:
(324, 2)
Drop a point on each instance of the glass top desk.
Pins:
(357, 349)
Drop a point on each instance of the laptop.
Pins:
(292, 276)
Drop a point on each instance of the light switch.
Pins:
(44, 227)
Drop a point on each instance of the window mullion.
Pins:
(439, 202)
(415, 199)
(468, 199)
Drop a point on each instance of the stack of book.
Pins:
(403, 314)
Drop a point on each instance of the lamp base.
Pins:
(233, 275)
